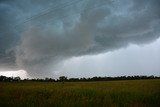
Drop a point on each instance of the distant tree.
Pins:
(62, 78)
(73, 79)
(17, 78)
(46, 79)
(49, 80)
(2, 78)
(83, 79)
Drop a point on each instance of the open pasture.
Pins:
(128, 93)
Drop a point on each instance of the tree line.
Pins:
(65, 79)
(4, 78)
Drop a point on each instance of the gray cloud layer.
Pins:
(36, 35)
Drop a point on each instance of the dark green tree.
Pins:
(62, 79)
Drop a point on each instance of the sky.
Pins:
(79, 38)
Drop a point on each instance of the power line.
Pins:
(45, 12)
(49, 11)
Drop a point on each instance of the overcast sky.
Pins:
(133, 60)
(80, 38)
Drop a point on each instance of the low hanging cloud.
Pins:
(37, 35)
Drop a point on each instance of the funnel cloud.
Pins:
(38, 35)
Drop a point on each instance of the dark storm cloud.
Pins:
(40, 34)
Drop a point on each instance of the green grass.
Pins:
(129, 93)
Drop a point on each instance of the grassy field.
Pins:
(129, 93)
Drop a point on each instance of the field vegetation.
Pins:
(122, 93)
